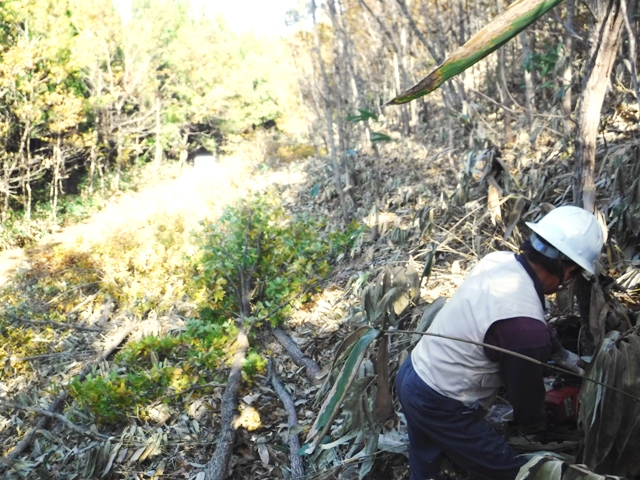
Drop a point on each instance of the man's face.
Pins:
(569, 274)
(554, 283)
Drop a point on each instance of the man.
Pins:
(446, 386)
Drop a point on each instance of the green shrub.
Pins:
(109, 399)
(286, 255)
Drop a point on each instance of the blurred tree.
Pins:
(87, 88)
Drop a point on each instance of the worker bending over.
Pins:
(446, 386)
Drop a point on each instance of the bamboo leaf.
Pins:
(407, 281)
(112, 457)
(368, 454)
(492, 36)
(362, 116)
(387, 302)
(379, 137)
(631, 384)
(611, 413)
(347, 344)
(427, 317)
(331, 406)
(427, 266)
(514, 218)
(546, 467)
(370, 296)
(493, 204)
(591, 398)
(341, 354)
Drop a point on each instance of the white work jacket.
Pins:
(498, 288)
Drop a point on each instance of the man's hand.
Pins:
(569, 360)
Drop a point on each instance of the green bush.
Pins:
(286, 255)
(108, 399)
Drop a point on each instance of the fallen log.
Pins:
(59, 401)
(299, 358)
(297, 468)
(216, 469)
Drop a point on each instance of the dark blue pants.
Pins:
(440, 424)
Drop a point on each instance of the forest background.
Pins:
(316, 189)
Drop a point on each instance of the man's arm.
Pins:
(523, 379)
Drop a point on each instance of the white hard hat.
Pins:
(574, 232)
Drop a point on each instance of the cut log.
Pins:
(299, 358)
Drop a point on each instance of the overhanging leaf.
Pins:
(496, 33)
(370, 296)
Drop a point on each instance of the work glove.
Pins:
(569, 360)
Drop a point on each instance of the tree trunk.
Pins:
(605, 36)
(567, 72)
(57, 160)
(217, 467)
(628, 17)
(404, 81)
(158, 156)
(329, 119)
(25, 158)
(505, 99)
(341, 86)
(8, 169)
(297, 467)
(312, 369)
(529, 83)
(119, 149)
